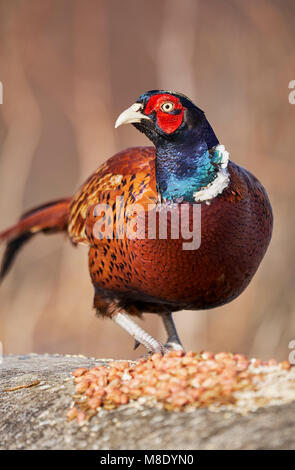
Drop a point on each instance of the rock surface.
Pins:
(35, 417)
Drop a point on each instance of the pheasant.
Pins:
(173, 226)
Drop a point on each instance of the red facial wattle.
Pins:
(168, 122)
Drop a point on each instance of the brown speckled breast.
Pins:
(157, 274)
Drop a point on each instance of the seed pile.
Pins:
(175, 382)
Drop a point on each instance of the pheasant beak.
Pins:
(131, 115)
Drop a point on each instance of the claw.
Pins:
(173, 345)
(136, 344)
(140, 336)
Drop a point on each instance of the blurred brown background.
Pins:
(68, 68)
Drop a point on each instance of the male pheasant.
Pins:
(171, 227)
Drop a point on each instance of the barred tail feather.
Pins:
(48, 218)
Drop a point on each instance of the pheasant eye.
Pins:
(167, 106)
